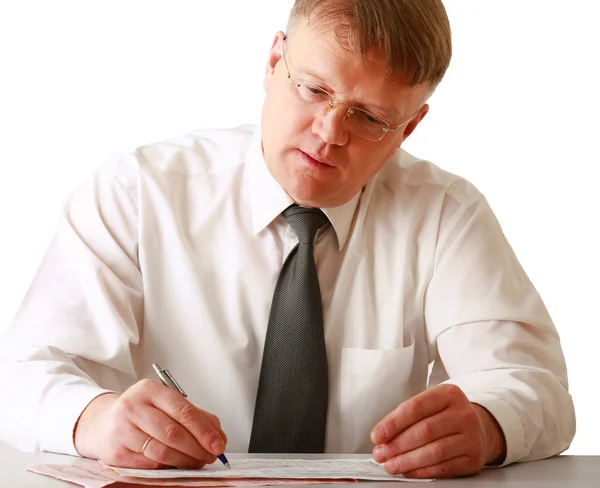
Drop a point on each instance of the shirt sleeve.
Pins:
(79, 317)
(491, 333)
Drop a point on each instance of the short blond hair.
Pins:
(413, 35)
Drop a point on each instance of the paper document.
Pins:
(360, 469)
(92, 474)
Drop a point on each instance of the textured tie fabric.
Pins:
(291, 404)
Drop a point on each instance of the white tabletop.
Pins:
(558, 472)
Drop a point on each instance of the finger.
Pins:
(420, 434)
(214, 420)
(126, 439)
(167, 456)
(417, 408)
(158, 424)
(458, 466)
(134, 440)
(127, 458)
(437, 452)
(136, 460)
(190, 417)
(171, 434)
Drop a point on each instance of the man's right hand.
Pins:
(115, 429)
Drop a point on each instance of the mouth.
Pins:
(315, 160)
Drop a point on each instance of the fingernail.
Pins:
(217, 447)
(379, 454)
(378, 436)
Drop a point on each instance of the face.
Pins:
(307, 147)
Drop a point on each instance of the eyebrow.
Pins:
(391, 114)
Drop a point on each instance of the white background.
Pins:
(517, 114)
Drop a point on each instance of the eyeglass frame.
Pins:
(333, 102)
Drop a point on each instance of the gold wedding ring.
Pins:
(145, 445)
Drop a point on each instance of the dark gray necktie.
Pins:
(291, 404)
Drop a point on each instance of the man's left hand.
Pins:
(438, 434)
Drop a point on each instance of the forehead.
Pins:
(316, 53)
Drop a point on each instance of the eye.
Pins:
(312, 89)
(370, 119)
(315, 90)
(310, 92)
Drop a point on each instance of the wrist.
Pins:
(84, 437)
(494, 441)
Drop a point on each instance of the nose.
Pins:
(329, 124)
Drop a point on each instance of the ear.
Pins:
(273, 59)
(412, 125)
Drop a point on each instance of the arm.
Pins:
(69, 341)
(493, 336)
(503, 394)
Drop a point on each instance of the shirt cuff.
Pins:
(61, 416)
(509, 421)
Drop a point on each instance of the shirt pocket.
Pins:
(374, 382)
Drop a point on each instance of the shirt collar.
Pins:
(268, 199)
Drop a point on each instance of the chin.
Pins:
(314, 194)
(310, 194)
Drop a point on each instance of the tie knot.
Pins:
(305, 221)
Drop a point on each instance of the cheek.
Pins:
(283, 116)
(275, 118)
(388, 152)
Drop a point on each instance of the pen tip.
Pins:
(227, 464)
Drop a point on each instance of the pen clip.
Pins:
(177, 387)
(170, 382)
(167, 379)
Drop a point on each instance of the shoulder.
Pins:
(199, 152)
(406, 171)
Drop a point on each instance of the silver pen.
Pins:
(168, 380)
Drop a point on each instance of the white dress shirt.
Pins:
(171, 254)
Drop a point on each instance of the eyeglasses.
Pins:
(357, 120)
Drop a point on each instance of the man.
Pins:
(198, 254)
